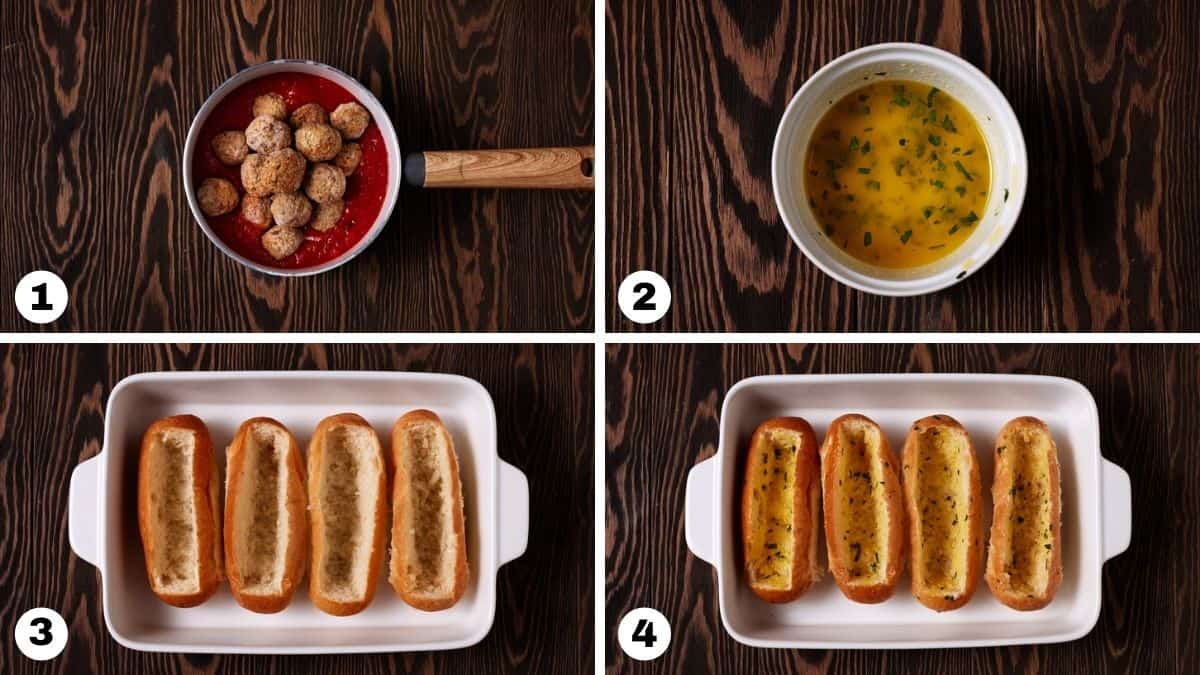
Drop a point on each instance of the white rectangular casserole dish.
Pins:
(1096, 516)
(103, 524)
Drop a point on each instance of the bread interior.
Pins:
(432, 543)
(350, 467)
(260, 515)
(860, 512)
(176, 566)
(773, 487)
(1029, 522)
(943, 492)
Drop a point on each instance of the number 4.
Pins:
(644, 633)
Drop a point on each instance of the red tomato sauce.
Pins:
(365, 188)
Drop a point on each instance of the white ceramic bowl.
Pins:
(920, 63)
(378, 115)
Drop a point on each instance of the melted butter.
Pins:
(772, 503)
(943, 498)
(1030, 519)
(861, 508)
(897, 174)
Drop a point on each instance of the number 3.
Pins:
(44, 637)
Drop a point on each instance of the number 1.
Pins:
(42, 291)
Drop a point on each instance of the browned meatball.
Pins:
(285, 170)
(325, 183)
(254, 176)
(217, 196)
(279, 171)
(282, 241)
(327, 215)
(267, 134)
(257, 210)
(351, 119)
(291, 209)
(270, 105)
(318, 142)
(230, 147)
(309, 113)
(347, 160)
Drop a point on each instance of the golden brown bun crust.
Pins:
(297, 508)
(999, 543)
(205, 494)
(315, 451)
(400, 501)
(807, 482)
(830, 454)
(931, 599)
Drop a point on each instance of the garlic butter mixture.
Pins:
(897, 174)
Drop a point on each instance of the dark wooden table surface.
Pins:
(1106, 93)
(663, 403)
(52, 401)
(98, 98)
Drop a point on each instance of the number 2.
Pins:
(644, 632)
(646, 291)
(42, 303)
(43, 624)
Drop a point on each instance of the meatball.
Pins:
(230, 147)
(291, 209)
(270, 105)
(285, 170)
(282, 241)
(217, 196)
(350, 119)
(318, 142)
(254, 176)
(347, 160)
(257, 210)
(267, 134)
(325, 183)
(309, 113)
(327, 215)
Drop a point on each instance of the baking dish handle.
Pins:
(699, 518)
(1118, 509)
(514, 512)
(83, 510)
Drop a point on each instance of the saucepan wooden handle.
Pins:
(530, 168)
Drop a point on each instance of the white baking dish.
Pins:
(1096, 510)
(103, 510)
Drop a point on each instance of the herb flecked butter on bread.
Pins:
(942, 495)
(781, 498)
(1024, 566)
(864, 515)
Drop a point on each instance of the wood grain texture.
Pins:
(99, 97)
(1105, 93)
(531, 168)
(663, 405)
(52, 402)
